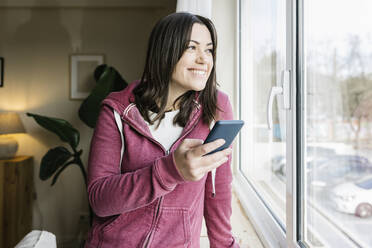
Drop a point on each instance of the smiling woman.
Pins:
(195, 65)
(149, 173)
(181, 65)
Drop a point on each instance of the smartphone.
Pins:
(224, 129)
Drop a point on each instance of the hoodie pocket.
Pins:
(128, 229)
(173, 228)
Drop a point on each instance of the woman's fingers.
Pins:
(214, 157)
(214, 160)
(215, 165)
(191, 143)
(201, 150)
(191, 162)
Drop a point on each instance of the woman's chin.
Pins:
(199, 86)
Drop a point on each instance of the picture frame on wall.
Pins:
(82, 68)
(1, 71)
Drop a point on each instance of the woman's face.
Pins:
(194, 67)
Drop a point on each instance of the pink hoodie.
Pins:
(145, 202)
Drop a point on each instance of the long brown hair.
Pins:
(168, 41)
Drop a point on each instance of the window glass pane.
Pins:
(338, 123)
(262, 62)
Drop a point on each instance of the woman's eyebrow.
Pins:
(199, 42)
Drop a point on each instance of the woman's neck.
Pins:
(173, 94)
(169, 107)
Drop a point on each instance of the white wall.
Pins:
(224, 18)
(226, 33)
(36, 44)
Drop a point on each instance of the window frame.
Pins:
(268, 229)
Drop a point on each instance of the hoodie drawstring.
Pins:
(120, 127)
(214, 170)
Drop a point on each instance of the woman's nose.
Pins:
(201, 57)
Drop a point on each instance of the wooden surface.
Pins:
(16, 193)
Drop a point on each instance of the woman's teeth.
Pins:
(198, 72)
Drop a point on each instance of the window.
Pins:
(263, 151)
(307, 180)
(263, 43)
(337, 92)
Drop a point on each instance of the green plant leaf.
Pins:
(109, 80)
(65, 131)
(59, 173)
(52, 160)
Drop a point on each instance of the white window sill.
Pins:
(241, 228)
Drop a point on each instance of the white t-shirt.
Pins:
(167, 133)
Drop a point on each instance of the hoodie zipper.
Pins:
(149, 235)
(166, 152)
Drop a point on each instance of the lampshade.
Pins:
(10, 123)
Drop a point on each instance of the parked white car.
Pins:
(354, 197)
(314, 154)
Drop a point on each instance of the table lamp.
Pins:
(10, 123)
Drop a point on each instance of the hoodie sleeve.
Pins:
(217, 208)
(109, 191)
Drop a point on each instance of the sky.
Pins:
(324, 19)
(335, 18)
(329, 25)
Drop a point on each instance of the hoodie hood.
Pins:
(123, 102)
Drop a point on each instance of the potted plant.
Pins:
(57, 159)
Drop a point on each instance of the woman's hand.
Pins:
(190, 161)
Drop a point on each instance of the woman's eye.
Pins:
(210, 50)
(191, 47)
